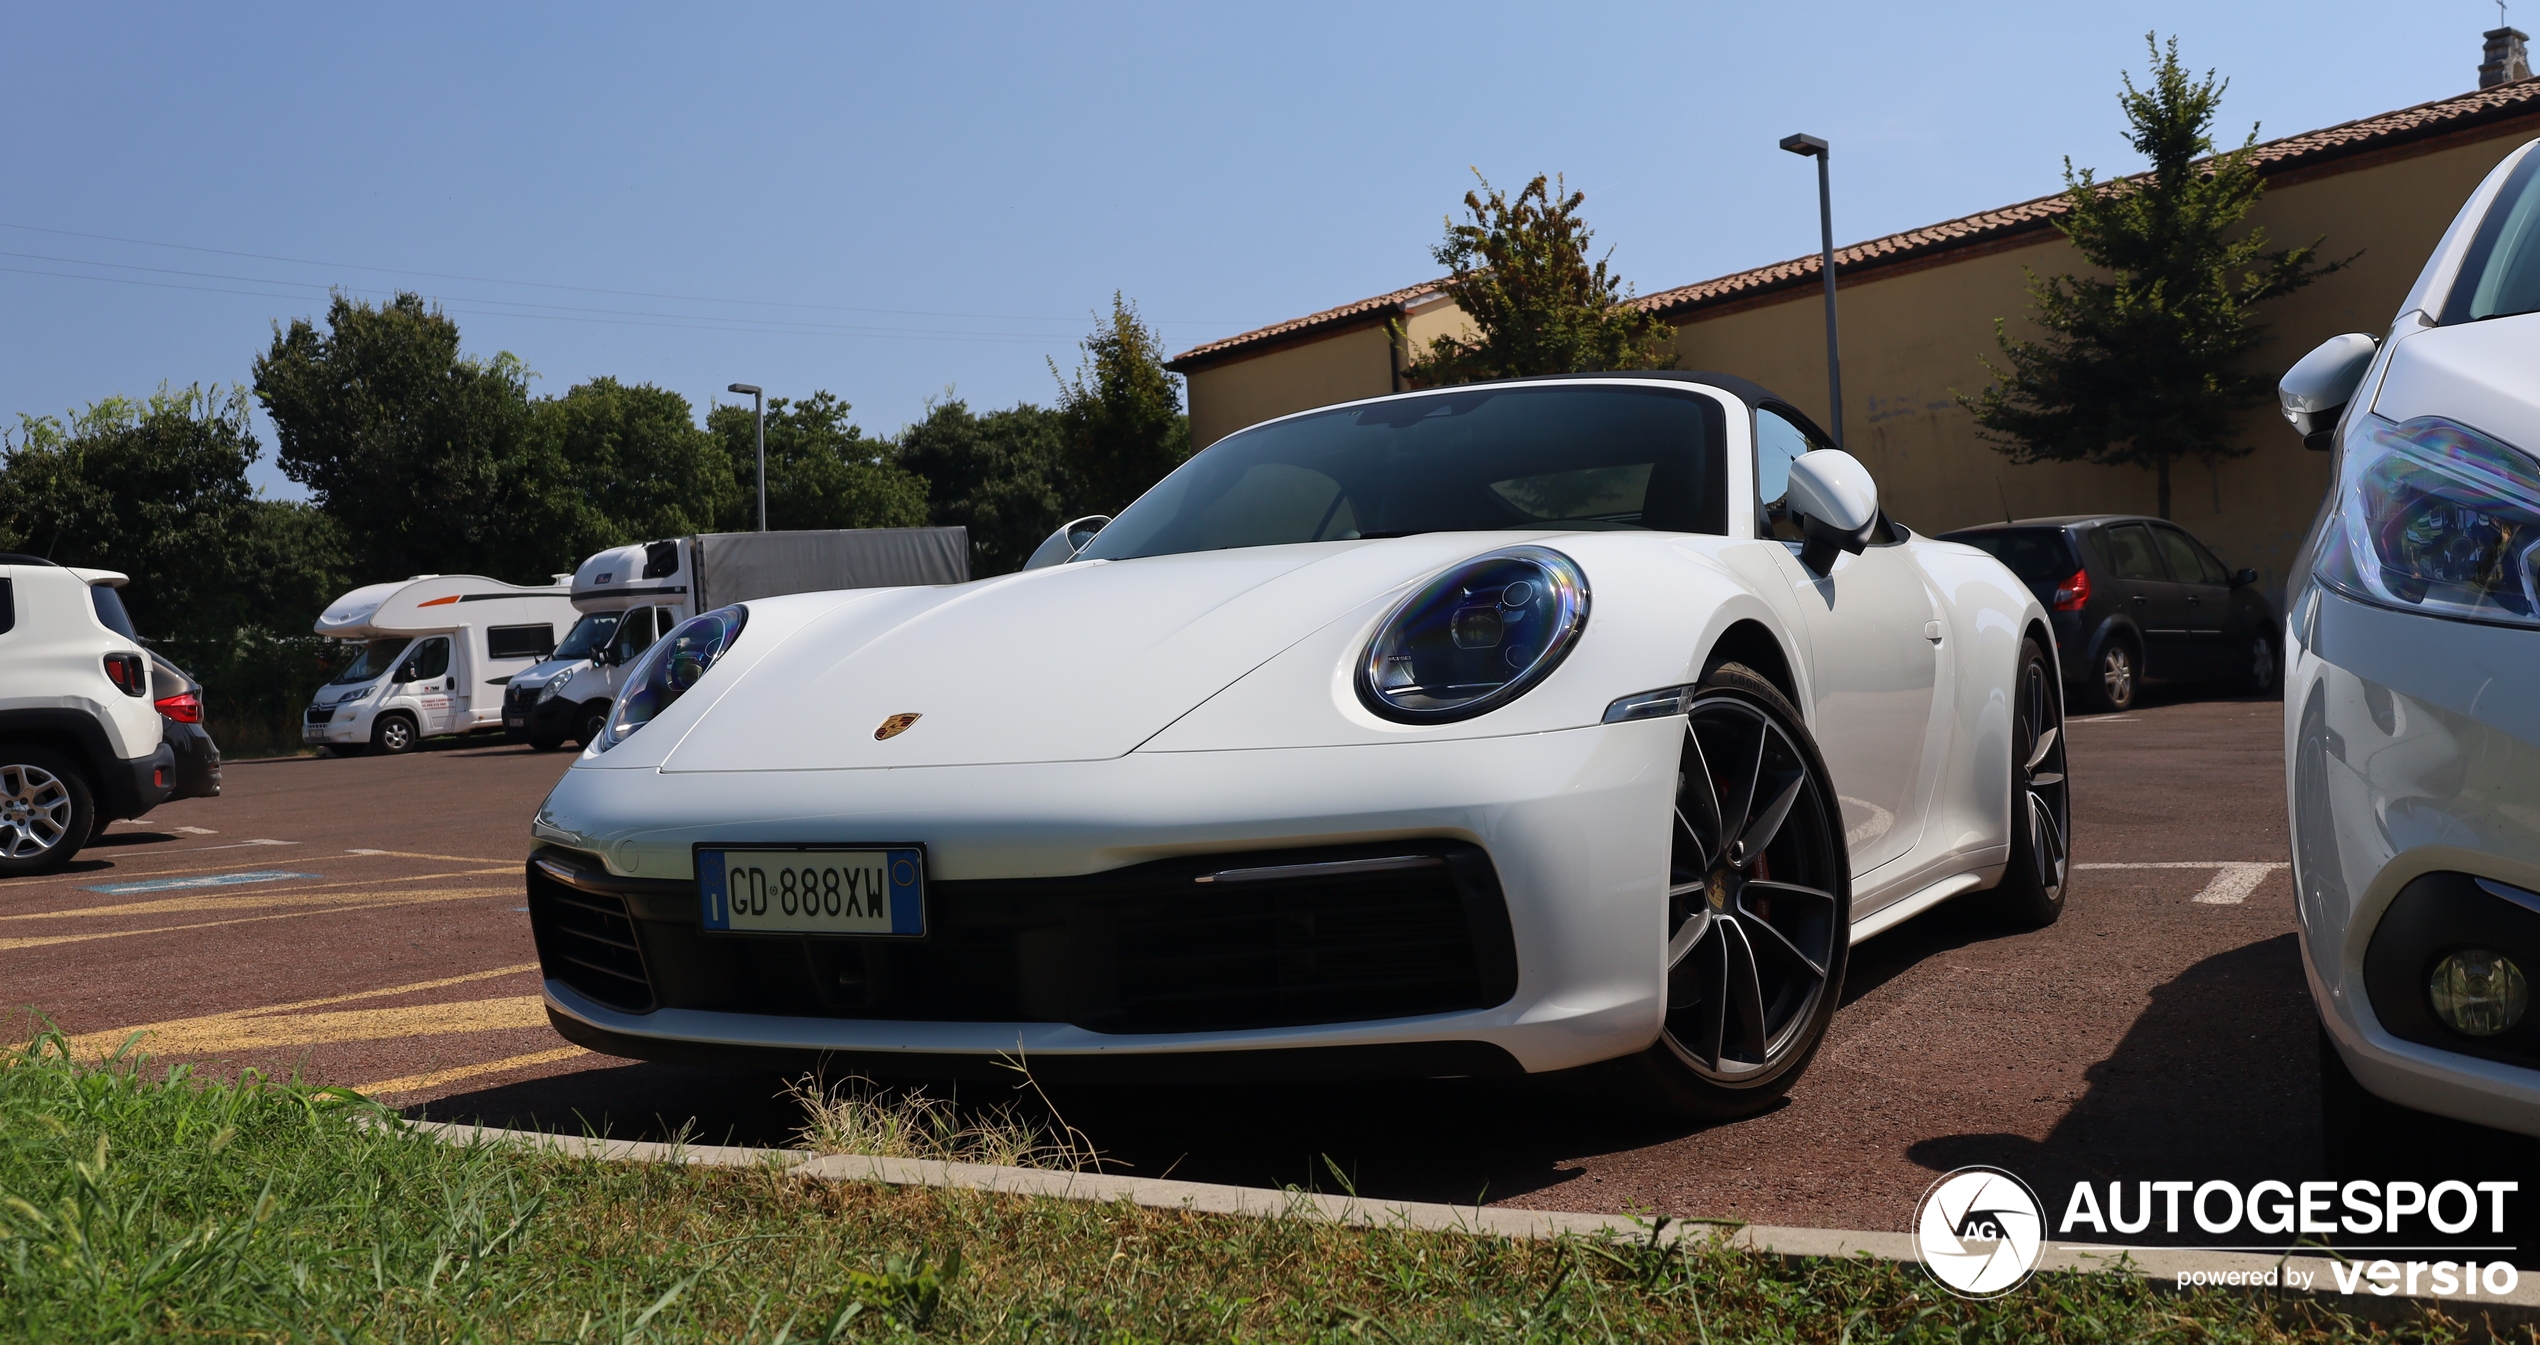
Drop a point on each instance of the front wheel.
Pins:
(1758, 905)
(588, 725)
(46, 810)
(393, 735)
(2261, 668)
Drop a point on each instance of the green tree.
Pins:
(1120, 418)
(1000, 475)
(2142, 363)
(1520, 271)
(638, 465)
(419, 452)
(158, 489)
(822, 472)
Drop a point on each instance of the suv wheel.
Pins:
(46, 810)
(393, 735)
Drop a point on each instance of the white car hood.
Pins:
(1078, 662)
(2475, 373)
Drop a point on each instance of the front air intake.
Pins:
(587, 940)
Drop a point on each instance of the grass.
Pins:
(138, 1202)
(859, 1116)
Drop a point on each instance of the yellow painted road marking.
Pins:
(416, 1083)
(266, 1030)
(115, 1036)
(351, 903)
(319, 894)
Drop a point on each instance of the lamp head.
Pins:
(1808, 145)
(745, 389)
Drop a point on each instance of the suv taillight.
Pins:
(129, 674)
(2071, 594)
(185, 707)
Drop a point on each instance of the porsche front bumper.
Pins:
(1571, 828)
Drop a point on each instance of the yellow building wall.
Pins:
(1912, 339)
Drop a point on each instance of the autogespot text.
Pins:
(2393, 1212)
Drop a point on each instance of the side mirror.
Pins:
(405, 673)
(1836, 503)
(2316, 389)
(2243, 577)
(1061, 546)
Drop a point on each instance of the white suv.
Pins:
(80, 740)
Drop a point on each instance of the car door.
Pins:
(1873, 664)
(428, 677)
(2206, 592)
(2157, 604)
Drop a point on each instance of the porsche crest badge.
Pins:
(894, 726)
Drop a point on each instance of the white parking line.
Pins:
(2233, 879)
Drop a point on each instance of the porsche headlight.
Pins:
(2436, 517)
(1476, 637)
(665, 672)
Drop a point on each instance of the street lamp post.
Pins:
(758, 401)
(1817, 149)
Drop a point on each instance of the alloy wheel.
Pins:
(2043, 800)
(1751, 906)
(35, 811)
(2116, 673)
(2261, 663)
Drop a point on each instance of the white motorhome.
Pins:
(437, 650)
(630, 596)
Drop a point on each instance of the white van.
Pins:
(632, 595)
(437, 651)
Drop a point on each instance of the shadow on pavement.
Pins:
(2220, 1079)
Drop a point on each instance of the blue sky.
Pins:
(887, 202)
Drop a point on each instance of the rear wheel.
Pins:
(46, 810)
(2261, 669)
(1759, 905)
(2115, 678)
(393, 735)
(2032, 887)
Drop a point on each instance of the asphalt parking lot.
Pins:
(361, 922)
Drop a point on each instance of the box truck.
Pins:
(630, 596)
(436, 651)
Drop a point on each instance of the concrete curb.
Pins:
(2504, 1312)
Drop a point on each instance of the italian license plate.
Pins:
(870, 891)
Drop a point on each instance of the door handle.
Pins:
(1931, 631)
(2140, 600)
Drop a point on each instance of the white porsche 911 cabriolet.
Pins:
(1501, 729)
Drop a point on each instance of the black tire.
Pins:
(1759, 907)
(2031, 893)
(394, 735)
(587, 725)
(2261, 667)
(546, 742)
(47, 811)
(2116, 677)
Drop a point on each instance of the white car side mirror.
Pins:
(1836, 503)
(1061, 546)
(2316, 389)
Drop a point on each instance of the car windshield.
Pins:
(2041, 557)
(378, 656)
(590, 633)
(1599, 457)
(2500, 274)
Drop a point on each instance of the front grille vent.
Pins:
(587, 940)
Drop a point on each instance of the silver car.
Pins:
(2412, 705)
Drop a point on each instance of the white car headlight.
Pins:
(2438, 518)
(555, 685)
(669, 668)
(1476, 637)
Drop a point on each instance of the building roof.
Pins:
(2468, 113)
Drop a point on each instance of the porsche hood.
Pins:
(1077, 662)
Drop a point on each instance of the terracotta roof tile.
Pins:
(2361, 136)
